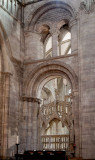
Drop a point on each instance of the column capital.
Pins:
(54, 31)
(31, 99)
(6, 73)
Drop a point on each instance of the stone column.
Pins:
(1, 97)
(29, 134)
(59, 42)
(71, 125)
(40, 145)
(75, 106)
(1, 104)
(57, 128)
(5, 113)
(54, 32)
(74, 36)
(75, 110)
(72, 133)
(24, 124)
(35, 108)
(30, 123)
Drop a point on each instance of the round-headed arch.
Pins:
(3, 36)
(42, 73)
(71, 13)
(5, 48)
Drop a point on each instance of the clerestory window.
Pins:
(48, 48)
(66, 44)
(63, 45)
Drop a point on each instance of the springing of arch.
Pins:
(43, 72)
(55, 89)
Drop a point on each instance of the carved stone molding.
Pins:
(35, 15)
(88, 6)
(72, 23)
(31, 99)
(6, 73)
(54, 31)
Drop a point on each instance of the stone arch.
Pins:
(4, 39)
(1, 58)
(57, 118)
(43, 72)
(5, 73)
(44, 30)
(43, 26)
(70, 12)
(47, 79)
(46, 122)
(5, 48)
(52, 118)
(46, 40)
(61, 23)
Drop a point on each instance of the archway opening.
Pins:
(63, 42)
(56, 114)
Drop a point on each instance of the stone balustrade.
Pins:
(55, 142)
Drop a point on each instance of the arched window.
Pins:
(66, 44)
(48, 48)
(63, 45)
(55, 113)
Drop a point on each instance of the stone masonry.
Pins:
(24, 30)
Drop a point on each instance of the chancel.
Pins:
(47, 79)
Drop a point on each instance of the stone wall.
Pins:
(87, 83)
(13, 32)
(15, 112)
(33, 46)
(24, 71)
(10, 81)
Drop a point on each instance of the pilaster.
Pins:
(5, 111)
(54, 32)
(30, 115)
(74, 35)
(75, 107)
